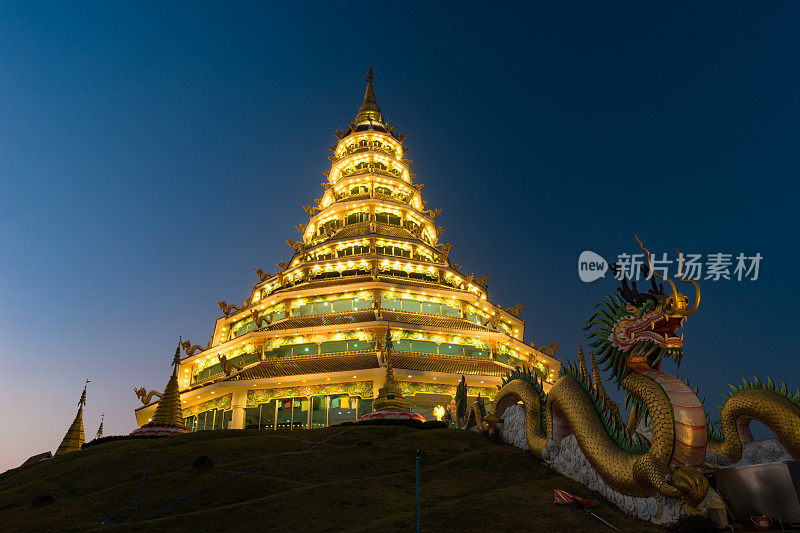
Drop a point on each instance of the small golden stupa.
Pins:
(390, 398)
(100, 429)
(74, 438)
(390, 404)
(168, 418)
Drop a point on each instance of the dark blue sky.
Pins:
(151, 154)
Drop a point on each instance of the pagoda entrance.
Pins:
(304, 412)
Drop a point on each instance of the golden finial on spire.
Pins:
(369, 110)
(387, 345)
(176, 360)
(82, 401)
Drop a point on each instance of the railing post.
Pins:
(417, 458)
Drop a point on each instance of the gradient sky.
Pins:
(151, 154)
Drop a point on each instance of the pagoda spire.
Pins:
(100, 429)
(582, 362)
(74, 438)
(369, 110)
(169, 412)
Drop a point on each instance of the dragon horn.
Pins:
(693, 310)
(650, 266)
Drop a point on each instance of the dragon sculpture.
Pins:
(144, 396)
(191, 349)
(551, 349)
(228, 366)
(516, 310)
(262, 276)
(228, 310)
(632, 334)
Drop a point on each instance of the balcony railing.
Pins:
(361, 149)
(364, 196)
(392, 173)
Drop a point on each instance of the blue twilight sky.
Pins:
(151, 154)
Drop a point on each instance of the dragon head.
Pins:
(637, 328)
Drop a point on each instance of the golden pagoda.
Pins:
(74, 438)
(304, 347)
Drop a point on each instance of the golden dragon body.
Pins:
(632, 338)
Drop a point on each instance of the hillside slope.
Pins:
(360, 480)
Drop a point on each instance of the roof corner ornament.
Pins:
(516, 310)
(228, 310)
(262, 276)
(190, 349)
(550, 350)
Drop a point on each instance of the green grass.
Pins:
(361, 480)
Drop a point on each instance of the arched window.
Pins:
(380, 189)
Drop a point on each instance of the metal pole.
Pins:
(417, 452)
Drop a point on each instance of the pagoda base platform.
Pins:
(159, 431)
(391, 415)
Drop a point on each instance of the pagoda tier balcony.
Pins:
(394, 277)
(352, 197)
(393, 172)
(364, 319)
(425, 362)
(333, 232)
(301, 365)
(411, 361)
(270, 367)
(372, 141)
(361, 319)
(359, 149)
(359, 241)
(392, 185)
(257, 367)
(404, 199)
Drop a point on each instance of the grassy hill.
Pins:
(360, 480)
